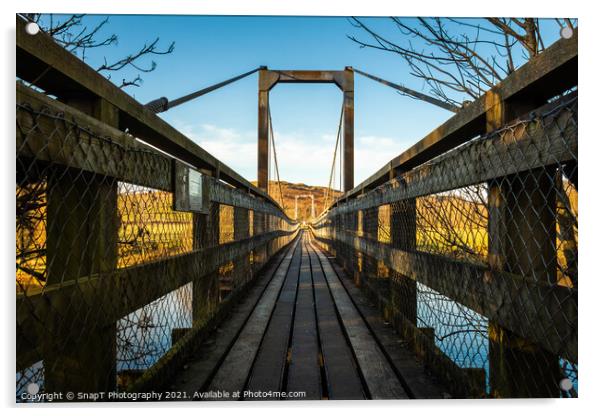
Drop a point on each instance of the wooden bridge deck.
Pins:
(304, 327)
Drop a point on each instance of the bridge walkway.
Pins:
(304, 327)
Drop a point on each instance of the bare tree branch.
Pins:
(458, 59)
(74, 35)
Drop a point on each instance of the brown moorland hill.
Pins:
(292, 190)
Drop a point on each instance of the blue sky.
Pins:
(210, 49)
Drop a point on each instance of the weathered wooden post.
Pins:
(522, 239)
(82, 236)
(349, 232)
(336, 238)
(357, 254)
(369, 264)
(402, 215)
(347, 252)
(260, 253)
(242, 272)
(271, 227)
(205, 286)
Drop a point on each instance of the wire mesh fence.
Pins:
(473, 257)
(109, 277)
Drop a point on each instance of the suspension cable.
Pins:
(275, 156)
(162, 104)
(334, 159)
(341, 155)
(269, 161)
(411, 92)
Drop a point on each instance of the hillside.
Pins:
(291, 190)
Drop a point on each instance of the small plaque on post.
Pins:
(189, 192)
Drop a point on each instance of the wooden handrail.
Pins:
(47, 65)
(549, 74)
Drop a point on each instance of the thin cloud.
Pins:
(300, 159)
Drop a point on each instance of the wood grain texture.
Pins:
(342, 375)
(419, 384)
(269, 367)
(380, 378)
(304, 368)
(233, 372)
(200, 368)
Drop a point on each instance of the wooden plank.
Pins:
(269, 368)
(304, 368)
(454, 378)
(417, 382)
(381, 380)
(51, 131)
(196, 374)
(108, 297)
(545, 76)
(342, 377)
(527, 146)
(518, 303)
(234, 371)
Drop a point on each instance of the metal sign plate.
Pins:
(189, 192)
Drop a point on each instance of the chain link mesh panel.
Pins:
(472, 256)
(109, 278)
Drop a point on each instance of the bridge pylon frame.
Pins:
(268, 78)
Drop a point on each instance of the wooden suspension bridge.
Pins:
(146, 264)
